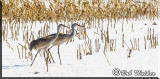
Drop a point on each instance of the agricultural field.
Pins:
(121, 34)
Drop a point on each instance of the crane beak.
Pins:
(80, 25)
(65, 26)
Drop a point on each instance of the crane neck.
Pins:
(72, 34)
(57, 34)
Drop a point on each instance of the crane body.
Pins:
(44, 43)
(63, 38)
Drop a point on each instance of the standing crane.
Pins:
(44, 43)
(63, 38)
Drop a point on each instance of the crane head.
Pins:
(77, 25)
(61, 25)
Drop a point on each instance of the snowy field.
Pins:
(94, 65)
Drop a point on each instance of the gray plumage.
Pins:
(44, 42)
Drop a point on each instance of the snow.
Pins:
(94, 65)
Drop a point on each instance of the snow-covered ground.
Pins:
(94, 65)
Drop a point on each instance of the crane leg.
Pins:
(50, 47)
(34, 58)
(59, 55)
(44, 55)
(46, 59)
(51, 56)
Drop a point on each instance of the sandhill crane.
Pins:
(44, 43)
(63, 38)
